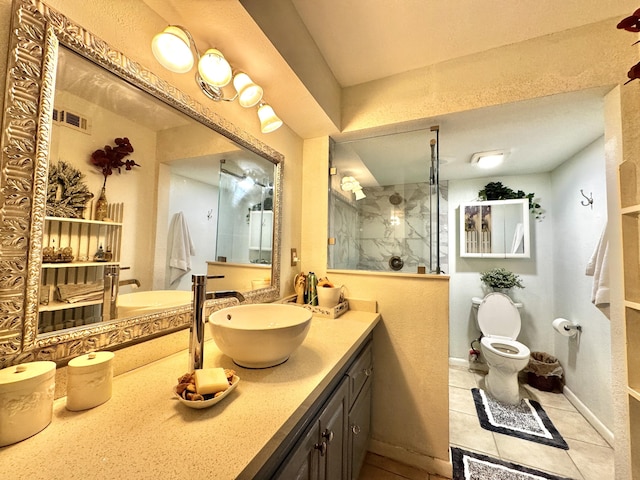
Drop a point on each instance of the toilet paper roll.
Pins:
(560, 323)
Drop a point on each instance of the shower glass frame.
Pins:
(400, 225)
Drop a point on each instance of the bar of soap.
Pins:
(211, 380)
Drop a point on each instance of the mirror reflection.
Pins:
(178, 196)
(495, 229)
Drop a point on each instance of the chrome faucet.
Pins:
(110, 292)
(196, 333)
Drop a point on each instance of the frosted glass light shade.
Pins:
(249, 94)
(359, 193)
(214, 68)
(269, 121)
(349, 183)
(172, 49)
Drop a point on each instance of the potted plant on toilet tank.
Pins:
(501, 280)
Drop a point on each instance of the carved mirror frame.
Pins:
(35, 36)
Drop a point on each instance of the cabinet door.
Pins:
(333, 432)
(359, 428)
(495, 229)
(303, 462)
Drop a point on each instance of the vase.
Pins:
(101, 206)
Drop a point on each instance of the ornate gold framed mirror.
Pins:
(37, 34)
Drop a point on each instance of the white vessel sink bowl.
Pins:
(140, 303)
(259, 335)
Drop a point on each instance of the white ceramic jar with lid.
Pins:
(26, 400)
(89, 380)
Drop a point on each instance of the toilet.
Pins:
(499, 321)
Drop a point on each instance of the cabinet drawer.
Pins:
(359, 373)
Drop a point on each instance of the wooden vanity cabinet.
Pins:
(334, 443)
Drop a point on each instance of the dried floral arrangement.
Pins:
(501, 279)
(110, 158)
(632, 24)
(67, 194)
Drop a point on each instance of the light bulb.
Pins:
(214, 68)
(172, 49)
(249, 94)
(269, 121)
(359, 193)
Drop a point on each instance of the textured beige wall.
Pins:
(589, 56)
(410, 390)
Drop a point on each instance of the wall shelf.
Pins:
(56, 305)
(85, 238)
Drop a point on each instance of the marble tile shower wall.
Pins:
(392, 221)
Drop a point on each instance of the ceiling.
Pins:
(364, 41)
(367, 40)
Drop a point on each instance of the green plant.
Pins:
(498, 191)
(501, 278)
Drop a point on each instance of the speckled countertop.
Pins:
(144, 432)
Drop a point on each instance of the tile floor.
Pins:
(589, 456)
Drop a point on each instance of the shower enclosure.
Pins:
(387, 205)
(245, 213)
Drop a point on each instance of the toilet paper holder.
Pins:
(573, 326)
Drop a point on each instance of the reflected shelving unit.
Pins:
(84, 238)
(630, 211)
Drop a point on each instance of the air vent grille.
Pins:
(71, 120)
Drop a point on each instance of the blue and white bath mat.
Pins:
(474, 466)
(527, 420)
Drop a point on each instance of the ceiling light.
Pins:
(269, 121)
(489, 159)
(174, 48)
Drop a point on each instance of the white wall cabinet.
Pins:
(495, 229)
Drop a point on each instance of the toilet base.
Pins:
(504, 388)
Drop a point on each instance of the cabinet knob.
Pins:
(355, 429)
(328, 435)
(322, 447)
(367, 372)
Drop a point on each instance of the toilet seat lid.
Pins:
(499, 317)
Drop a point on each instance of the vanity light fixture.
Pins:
(490, 159)
(350, 184)
(359, 194)
(174, 48)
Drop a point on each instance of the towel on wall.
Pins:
(181, 248)
(598, 268)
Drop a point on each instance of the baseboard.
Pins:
(480, 366)
(589, 416)
(432, 465)
(458, 362)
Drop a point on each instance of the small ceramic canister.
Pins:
(26, 400)
(89, 380)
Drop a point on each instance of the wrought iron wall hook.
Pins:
(589, 201)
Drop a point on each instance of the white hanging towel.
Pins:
(181, 247)
(598, 268)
